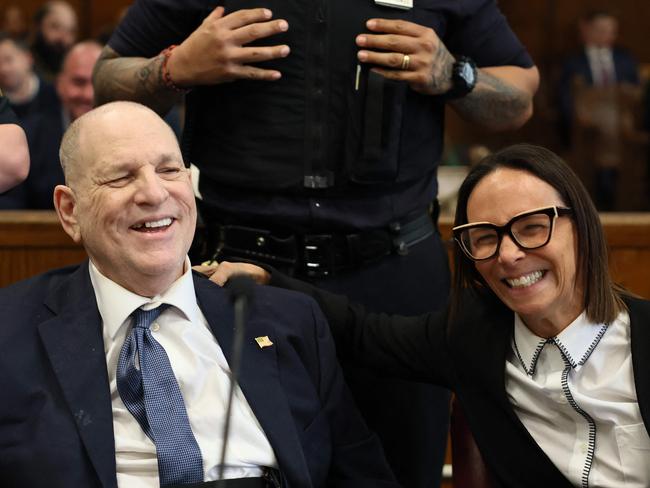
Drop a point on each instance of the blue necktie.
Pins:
(153, 397)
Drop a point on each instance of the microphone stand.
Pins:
(241, 288)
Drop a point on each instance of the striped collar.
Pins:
(576, 342)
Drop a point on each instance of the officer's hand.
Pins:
(217, 51)
(428, 66)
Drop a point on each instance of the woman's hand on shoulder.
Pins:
(221, 272)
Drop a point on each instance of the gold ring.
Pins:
(406, 60)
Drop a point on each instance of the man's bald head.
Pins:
(129, 197)
(74, 152)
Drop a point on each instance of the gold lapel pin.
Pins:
(263, 342)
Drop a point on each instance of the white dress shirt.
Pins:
(202, 373)
(575, 394)
(601, 64)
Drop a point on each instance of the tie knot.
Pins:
(144, 318)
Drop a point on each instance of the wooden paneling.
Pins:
(33, 242)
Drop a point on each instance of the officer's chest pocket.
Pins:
(374, 126)
(634, 452)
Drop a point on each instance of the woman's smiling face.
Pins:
(541, 285)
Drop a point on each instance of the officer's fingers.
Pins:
(389, 60)
(216, 14)
(247, 55)
(245, 72)
(259, 30)
(388, 42)
(392, 26)
(240, 18)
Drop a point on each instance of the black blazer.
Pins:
(56, 424)
(469, 357)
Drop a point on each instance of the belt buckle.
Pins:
(317, 255)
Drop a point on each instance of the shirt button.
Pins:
(583, 448)
(317, 205)
(155, 327)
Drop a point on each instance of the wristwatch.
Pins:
(463, 78)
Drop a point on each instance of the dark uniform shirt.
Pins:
(317, 149)
(7, 115)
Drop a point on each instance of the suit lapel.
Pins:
(73, 342)
(640, 338)
(259, 378)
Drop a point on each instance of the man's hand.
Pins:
(221, 272)
(217, 51)
(429, 65)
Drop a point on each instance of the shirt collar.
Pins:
(576, 342)
(116, 303)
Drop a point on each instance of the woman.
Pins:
(548, 357)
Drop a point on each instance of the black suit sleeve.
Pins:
(406, 347)
(358, 459)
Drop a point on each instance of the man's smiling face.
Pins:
(134, 209)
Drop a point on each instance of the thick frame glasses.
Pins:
(529, 230)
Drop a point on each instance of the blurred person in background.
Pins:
(45, 129)
(26, 92)
(55, 32)
(603, 65)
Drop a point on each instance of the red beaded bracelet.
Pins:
(167, 78)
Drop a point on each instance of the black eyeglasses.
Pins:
(529, 230)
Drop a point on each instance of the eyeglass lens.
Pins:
(530, 231)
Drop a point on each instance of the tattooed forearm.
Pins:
(136, 79)
(495, 104)
(441, 69)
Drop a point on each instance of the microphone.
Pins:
(241, 292)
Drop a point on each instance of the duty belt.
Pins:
(319, 255)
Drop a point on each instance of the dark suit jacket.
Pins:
(469, 357)
(625, 66)
(56, 425)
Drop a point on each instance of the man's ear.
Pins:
(64, 204)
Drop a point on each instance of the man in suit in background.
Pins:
(116, 372)
(603, 65)
(599, 63)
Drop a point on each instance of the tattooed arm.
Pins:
(135, 79)
(216, 52)
(502, 98)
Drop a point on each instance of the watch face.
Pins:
(467, 73)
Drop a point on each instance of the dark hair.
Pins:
(42, 12)
(595, 14)
(19, 43)
(602, 299)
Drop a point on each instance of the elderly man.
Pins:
(115, 372)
